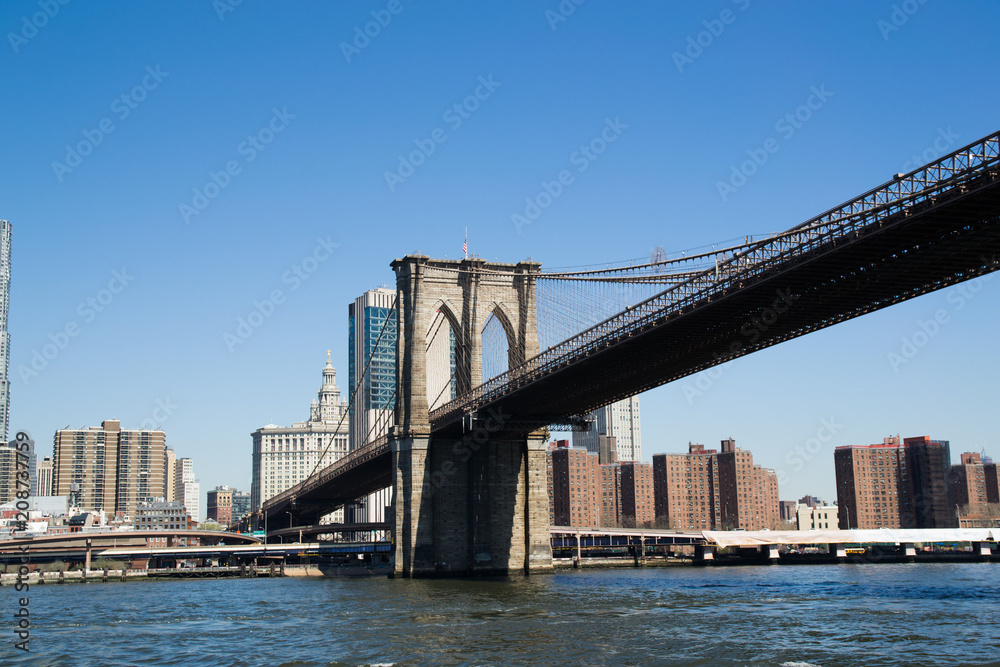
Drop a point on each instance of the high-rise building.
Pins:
(371, 340)
(586, 493)
(968, 482)
(626, 494)
(706, 489)
(11, 462)
(169, 475)
(686, 489)
(611, 495)
(45, 476)
(219, 505)
(620, 421)
(187, 489)
(5, 238)
(786, 510)
(637, 498)
(736, 484)
(992, 482)
(115, 469)
(283, 456)
(895, 484)
(766, 505)
(574, 487)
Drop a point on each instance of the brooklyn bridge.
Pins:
(490, 355)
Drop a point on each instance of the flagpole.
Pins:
(465, 246)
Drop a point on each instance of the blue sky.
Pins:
(290, 122)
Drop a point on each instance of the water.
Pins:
(926, 614)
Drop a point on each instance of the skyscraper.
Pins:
(115, 468)
(620, 421)
(369, 317)
(283, 456)
(5, 237)
(371, 340)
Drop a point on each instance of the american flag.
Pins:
(465, 248)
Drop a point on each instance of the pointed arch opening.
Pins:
(443, 357)
(499, 343)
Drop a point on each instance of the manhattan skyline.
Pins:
(268, 159)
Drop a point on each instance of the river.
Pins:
(823, 615)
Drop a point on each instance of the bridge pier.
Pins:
(466, 508)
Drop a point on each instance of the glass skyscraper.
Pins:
(370, 316)
(372, 410)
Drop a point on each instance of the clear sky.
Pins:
(205, 150)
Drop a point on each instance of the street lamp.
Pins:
(289, 518)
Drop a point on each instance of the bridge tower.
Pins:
(469, 499)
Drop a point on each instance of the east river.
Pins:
(824, 615)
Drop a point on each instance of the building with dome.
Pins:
(283, 456)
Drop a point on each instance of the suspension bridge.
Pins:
(489, 355)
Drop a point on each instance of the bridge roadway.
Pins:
(920, 232)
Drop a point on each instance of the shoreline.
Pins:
(316, 570)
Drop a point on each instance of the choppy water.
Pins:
(942, 614)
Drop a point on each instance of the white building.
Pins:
(187, 490)
(619, 421)
(822, 517)
(283, 456)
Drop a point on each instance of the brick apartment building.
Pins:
(706, 489)
(586, 493)
(574, 487)
(895, 484)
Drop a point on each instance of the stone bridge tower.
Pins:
(468, 498)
